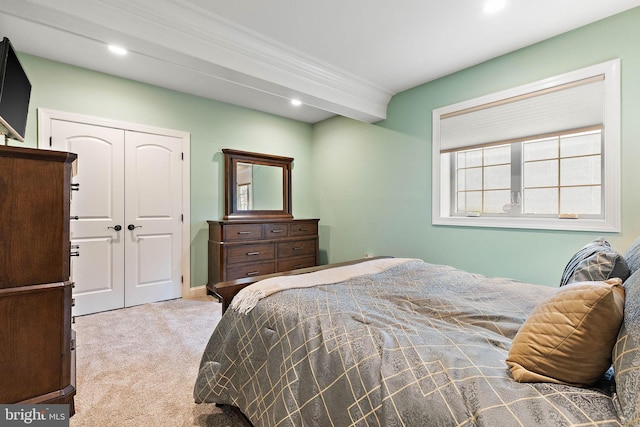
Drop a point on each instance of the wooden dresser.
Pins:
(246, 248)
(37, 357)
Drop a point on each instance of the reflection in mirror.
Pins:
(259, 187)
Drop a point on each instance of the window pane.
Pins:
(497, 177)
(541, 201)
(580, 170)
(462, 202)
(471, 179)
(462, 180)
(541, 174)
(494, 201)
(581, 145)
(470, 201)
(541, 149)
(467, 159)
(580, 200)
(497, 155)
(461, 159)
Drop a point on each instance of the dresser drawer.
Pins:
(250, 253)
(304, 229)
(276, 230)
(238, 232)
(253, 269)
(295, 263)
(296, 248)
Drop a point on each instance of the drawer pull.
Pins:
(244, 232)
(303, 229)
(297, 266)
(298, 248)
(277, 231)
(253, 253)
(253, 273)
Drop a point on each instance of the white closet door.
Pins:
(98, 271)
(127, 180)
(153, 208)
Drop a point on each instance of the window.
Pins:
(557, 175)
(545, 155)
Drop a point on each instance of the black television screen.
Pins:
(15, 91)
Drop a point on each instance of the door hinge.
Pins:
(181, 279)
(182, 156)
(50, 141)
(182, 218)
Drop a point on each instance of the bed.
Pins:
(416, 344)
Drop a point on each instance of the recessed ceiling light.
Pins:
(296, 102)
(494, 6)
(118, 50)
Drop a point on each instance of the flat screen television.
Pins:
(15, 91)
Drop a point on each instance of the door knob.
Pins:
(133, 227)
(117, 227)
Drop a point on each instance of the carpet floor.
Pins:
(137, 366)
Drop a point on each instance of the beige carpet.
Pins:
(137, 366)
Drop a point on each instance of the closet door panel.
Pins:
(97, 208)
(154, 217)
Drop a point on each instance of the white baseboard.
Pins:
(195, 292)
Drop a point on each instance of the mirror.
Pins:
(257, 185)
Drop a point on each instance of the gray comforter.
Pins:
(416, 345)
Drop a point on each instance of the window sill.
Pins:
(596, 225)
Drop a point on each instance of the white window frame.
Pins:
(611, 220)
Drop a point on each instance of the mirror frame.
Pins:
(231, 160)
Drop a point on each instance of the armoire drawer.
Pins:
(250, 270)
(250, 253)
(296, 248)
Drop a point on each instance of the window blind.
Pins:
(574, 105)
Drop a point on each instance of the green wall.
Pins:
(213, 125)
(370, 185)
(374, 182)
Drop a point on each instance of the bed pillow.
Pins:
(595, 261)
(632, 256)
(626, 354)
(569, 337)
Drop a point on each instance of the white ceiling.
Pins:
(345, 57)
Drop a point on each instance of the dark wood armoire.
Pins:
(37, 358)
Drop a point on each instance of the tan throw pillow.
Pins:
(569, 337)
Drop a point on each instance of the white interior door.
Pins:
(153, 207)
(129, 215)
(98, 271)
